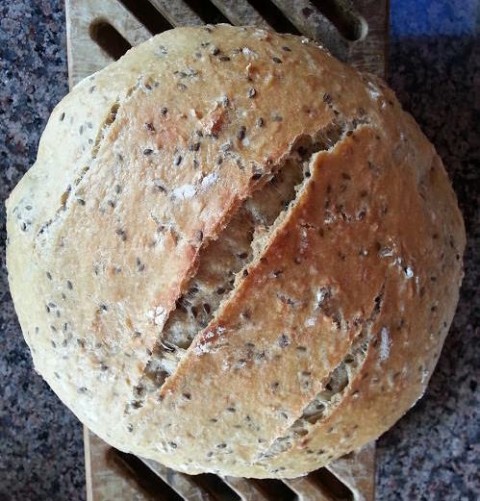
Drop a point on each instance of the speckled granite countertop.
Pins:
(434, 451)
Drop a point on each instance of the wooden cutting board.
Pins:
(100, 31)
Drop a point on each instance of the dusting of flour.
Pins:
(385, 344)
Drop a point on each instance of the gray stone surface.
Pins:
(434, 451)
(41, 448)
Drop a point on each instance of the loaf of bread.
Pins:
(235, 254)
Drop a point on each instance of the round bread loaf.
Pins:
(235, 254)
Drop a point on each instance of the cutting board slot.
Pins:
(109, 39)
(275, 490)
(152, 486)
(330, 485)
(207, 11)
(343, 15)
(274, 16)
(216, 487)
(148, 15)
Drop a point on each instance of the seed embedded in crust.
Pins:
(140, 265)
(122, 234)
(241, 133)
(159, 186)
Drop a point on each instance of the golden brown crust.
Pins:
(159, 153)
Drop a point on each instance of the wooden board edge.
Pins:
(88, 464)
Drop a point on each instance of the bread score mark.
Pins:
(334, 387)
(225, 262)
(103, 130)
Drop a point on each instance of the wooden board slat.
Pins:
(85, 56)
(240, 13)
(357, 472)
(370, 53)
(181, 15)
(182, 484)
(247, 490)
(307, 490)
(105, 479)
(108, 478)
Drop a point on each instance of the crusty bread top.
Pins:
(331, 325)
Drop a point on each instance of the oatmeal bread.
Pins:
(235, 254)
